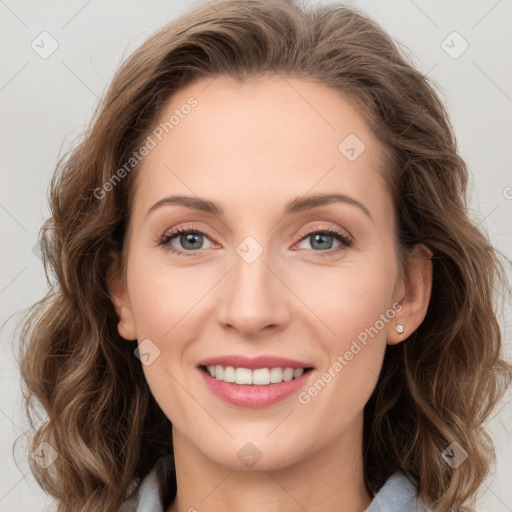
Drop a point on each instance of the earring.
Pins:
(399, 328)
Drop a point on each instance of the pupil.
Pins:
(190, 238)
(320, 239)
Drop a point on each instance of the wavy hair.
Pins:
(85, 392)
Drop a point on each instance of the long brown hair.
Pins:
(436, 388)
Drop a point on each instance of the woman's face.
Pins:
(272, 271)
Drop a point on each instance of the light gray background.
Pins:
(45, 103)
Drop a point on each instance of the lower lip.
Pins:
(253, 397)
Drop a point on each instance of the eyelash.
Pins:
(165, 240)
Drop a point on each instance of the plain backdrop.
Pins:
(46, 102)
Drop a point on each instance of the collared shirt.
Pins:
(398, 494)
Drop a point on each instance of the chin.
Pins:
(260, 454)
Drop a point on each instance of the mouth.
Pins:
(254, 382)
(254, 377)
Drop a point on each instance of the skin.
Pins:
(252, 148)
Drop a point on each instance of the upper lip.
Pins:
(239, 361)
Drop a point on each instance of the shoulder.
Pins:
(397, 493)
(155, 492)
(147, 498)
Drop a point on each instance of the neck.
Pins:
(328, 480)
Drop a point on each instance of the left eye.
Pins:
(323, 240)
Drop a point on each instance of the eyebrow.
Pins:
(296, 205)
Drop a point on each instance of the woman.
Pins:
(267, 293)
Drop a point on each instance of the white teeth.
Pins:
(288, 374)
(258, 377)
(276, 375)
(229, 374)
(243, 376)
(261, 377)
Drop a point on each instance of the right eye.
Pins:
(190, 239)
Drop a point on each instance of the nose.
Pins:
(254, 299)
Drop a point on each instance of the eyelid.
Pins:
(324, 228)
(180, 228)
(186, 226)
(301, 234)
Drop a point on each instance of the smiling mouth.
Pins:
(257, 377)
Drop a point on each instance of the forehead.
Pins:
(268, 138)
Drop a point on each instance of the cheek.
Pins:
(170, 307)
(352, 310)
(163, 308)
(163, 298)
(346, 300)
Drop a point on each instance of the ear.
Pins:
(118, 292)
(413, 295)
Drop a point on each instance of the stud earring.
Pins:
(399, 328)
